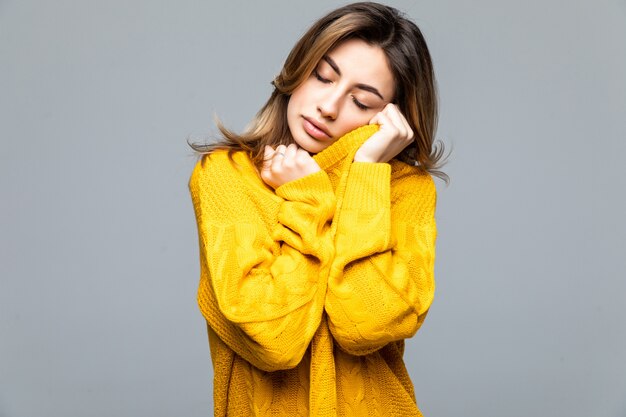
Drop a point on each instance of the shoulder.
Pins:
(220, 160)
(220, 184)
(413, 193)
(220, 168)
(405, 176)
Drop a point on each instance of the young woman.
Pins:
(316, 226)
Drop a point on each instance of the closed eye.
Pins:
(327, 81)
(359, 104)
(320, 78)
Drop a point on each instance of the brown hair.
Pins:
(408, 58)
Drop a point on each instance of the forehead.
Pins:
(360, 62)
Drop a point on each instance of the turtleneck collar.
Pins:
(345, 147)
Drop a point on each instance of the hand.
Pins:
(394, 135)
(286, 163)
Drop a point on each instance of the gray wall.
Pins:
(98, 255)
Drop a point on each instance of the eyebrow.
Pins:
(360, 86)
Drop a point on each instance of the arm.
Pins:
(381, 282)
(261, 254)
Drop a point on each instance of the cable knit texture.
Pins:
(309, 290)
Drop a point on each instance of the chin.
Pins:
(310, 144)
(313, 149)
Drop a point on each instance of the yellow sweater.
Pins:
(310, 290)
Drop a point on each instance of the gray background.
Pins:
(98, 255)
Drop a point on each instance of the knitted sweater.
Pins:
(309, 290)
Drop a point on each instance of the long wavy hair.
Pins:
(410, 63)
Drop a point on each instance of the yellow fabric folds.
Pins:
(309, 290)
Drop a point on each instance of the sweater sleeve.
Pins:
(381, 283)
(260, 260)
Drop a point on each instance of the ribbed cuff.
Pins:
(311, 188)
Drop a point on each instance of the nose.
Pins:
(328, 105)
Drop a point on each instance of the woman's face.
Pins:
(349, 86)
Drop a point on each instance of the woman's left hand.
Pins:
(392, 137)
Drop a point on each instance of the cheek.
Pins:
(354, 118)
(304, 92)
(297, 102)
(294, 103)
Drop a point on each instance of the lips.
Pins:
(315, 129)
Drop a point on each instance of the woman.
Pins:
(316, 226)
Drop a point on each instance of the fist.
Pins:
(392, 137)
(286, 163)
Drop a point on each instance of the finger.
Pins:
(268, 152)
(301, 153)
(405, 132)
(405, 122)
(280, 150)
(290, 153)
(376, 119)
(392, 111)
(396, 117)
(278, 157)
(386, 123)
(302, 157)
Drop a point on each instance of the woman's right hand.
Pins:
(286, 163)
(394, 134)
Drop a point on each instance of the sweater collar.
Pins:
(345, 147)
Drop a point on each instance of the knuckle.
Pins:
(302, 156)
